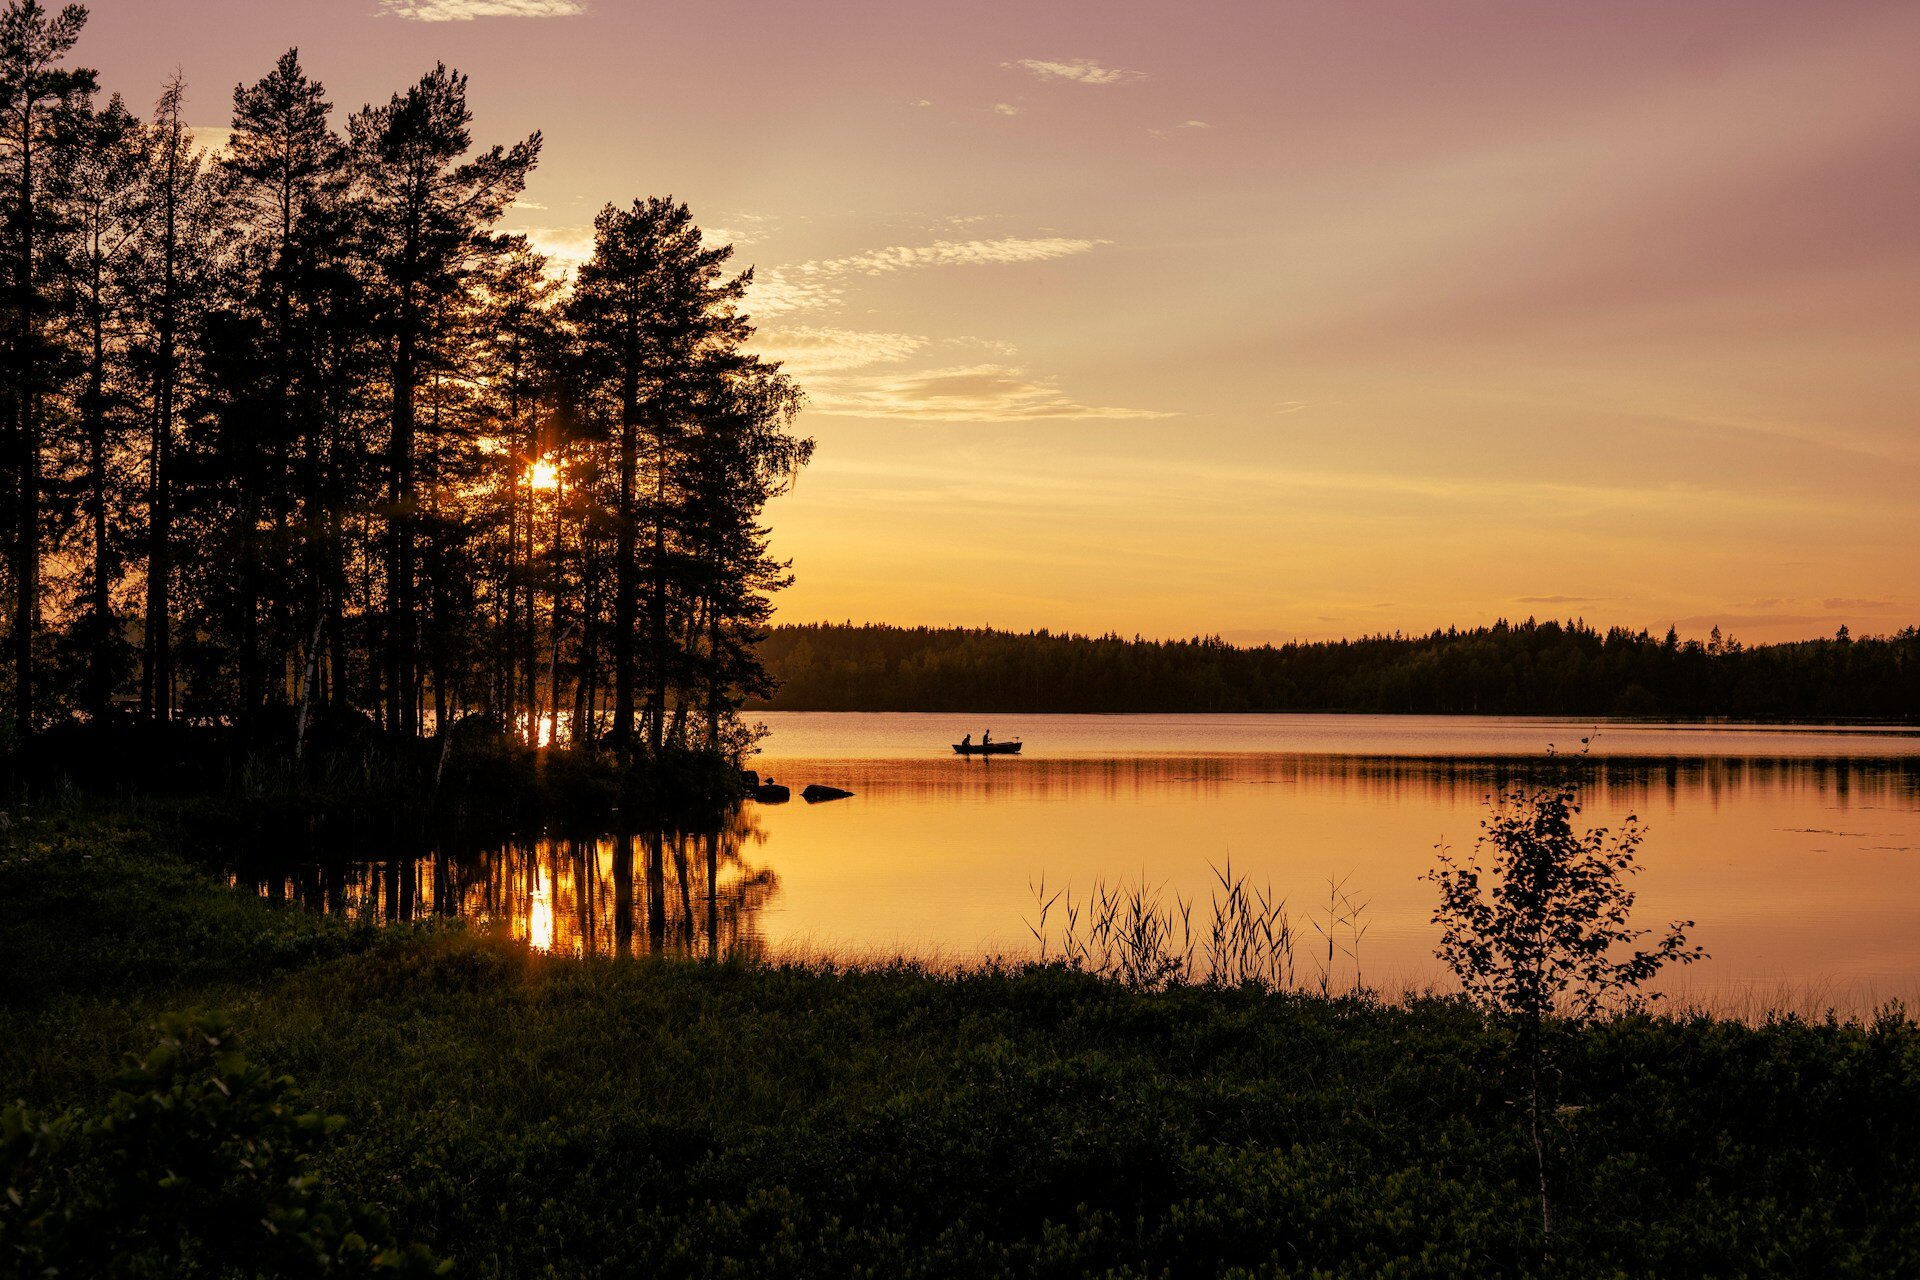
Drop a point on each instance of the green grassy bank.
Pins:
(528, 1116)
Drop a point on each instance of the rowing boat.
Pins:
(987, 748)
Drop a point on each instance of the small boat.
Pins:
(987, 748)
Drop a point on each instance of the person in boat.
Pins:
(986, 740)
(967, 741)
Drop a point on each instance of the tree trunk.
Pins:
(159, 676)
(716, 681)
(624, 593)
(657, 603)
(529, 638)
(402, 695)
(555, 614)
(27, 533)
(100, 660)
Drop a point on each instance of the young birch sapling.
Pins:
(1536, 923)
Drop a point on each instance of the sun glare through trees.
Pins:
(299, 438)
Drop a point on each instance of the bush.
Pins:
(199, 1164)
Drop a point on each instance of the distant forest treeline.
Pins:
(1524, 668)
(292, 432)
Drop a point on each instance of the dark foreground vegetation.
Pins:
(524, 1115)
(1523, 668)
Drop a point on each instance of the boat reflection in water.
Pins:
(650, 892)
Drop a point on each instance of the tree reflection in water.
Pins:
(689, 893)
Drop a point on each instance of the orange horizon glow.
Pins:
(1276, 321)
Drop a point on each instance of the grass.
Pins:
(527, 1115)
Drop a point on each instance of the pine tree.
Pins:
(284, 172)
(741, 455)
(656, 314)
(108, 218)
(428, 216)
(41, 105)
(520, 346)
(179, 214)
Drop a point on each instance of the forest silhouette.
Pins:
(296, 438)
(1510, 668)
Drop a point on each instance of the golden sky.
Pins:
(1276, 318)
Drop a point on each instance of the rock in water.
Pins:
(815, 793)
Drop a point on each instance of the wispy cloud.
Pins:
(777, 293)
(1849, 602)
(956, 253)
(740, 229)
(1558, 599)
(468, 10)
(811, 350)
(821, 283)
(814, 350)
(967, 342)
(1078, 70)
(845, 371)
(1183, 125)
(975, 393)
(1005, 109)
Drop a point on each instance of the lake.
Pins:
(1794, 848)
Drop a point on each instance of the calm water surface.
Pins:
(1796, 849)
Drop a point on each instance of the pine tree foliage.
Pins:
(299, 445)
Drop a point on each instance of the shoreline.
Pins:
(516, 1111)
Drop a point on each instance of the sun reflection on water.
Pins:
(685, 893)
(539, 932)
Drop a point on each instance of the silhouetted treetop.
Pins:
(300, 427)
(1524, 668)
